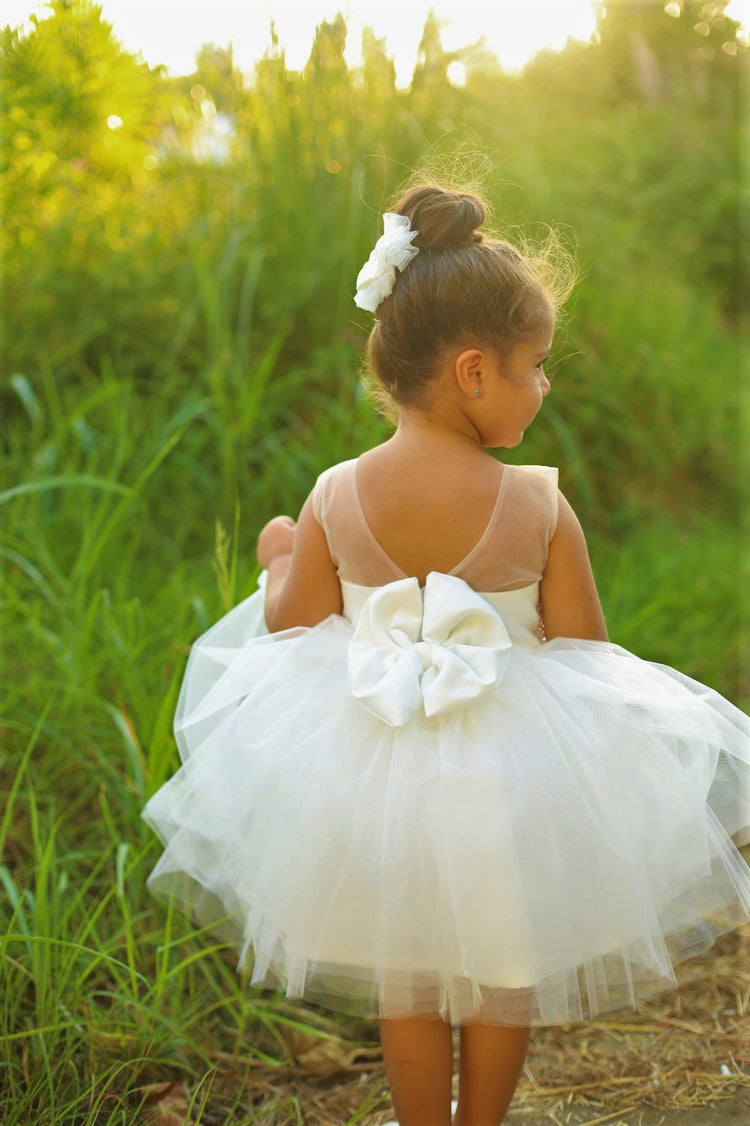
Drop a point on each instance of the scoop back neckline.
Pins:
(499, 499)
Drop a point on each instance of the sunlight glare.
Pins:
(170, 32)
(456, 73)
(511, 30)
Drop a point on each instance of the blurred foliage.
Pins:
(201, 235)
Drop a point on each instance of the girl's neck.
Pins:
(429, 428)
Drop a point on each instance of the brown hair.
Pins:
(462, 287)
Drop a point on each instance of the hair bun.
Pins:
(442, 218)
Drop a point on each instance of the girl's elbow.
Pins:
(280, 616)
(269, 614)
(584, 624)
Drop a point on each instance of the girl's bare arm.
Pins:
(303, 587)
(570, 602)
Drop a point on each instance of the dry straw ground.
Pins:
(682, 1060)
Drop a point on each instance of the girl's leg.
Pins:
(418, 1057)
(492, 1059)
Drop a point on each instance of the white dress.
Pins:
(421, 807)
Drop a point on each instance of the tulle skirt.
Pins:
(549, 851)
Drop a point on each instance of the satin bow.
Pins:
(436, 649)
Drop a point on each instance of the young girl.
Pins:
(434, 784)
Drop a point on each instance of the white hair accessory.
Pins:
(393, 251)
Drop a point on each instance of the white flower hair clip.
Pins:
(393, 251)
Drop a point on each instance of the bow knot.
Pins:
(436, 650)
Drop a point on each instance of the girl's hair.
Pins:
(462, 288)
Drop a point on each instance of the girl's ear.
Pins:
(471, 370)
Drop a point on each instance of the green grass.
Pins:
(111, 569)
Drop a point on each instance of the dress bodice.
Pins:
(510, 553)
(505, 565)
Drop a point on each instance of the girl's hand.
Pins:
(276, 538)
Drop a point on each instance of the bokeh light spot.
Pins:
(457, 73)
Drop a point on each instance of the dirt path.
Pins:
(681, 1060)
(734, 1111)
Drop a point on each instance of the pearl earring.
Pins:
(477, 391)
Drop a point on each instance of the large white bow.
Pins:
(438, 649)
(392, 251)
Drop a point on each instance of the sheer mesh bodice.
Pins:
(511, 553)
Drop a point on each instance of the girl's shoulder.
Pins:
(329, 483)
(547, 475)
(341, 468)
(536, 485)
(529, 480)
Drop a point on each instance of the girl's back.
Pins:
(387, 519)
(414, 497)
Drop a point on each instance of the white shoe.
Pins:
(454, 1108)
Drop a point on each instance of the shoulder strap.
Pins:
(545, 477)
(326, 486)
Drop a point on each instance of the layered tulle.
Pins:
(549, 851)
